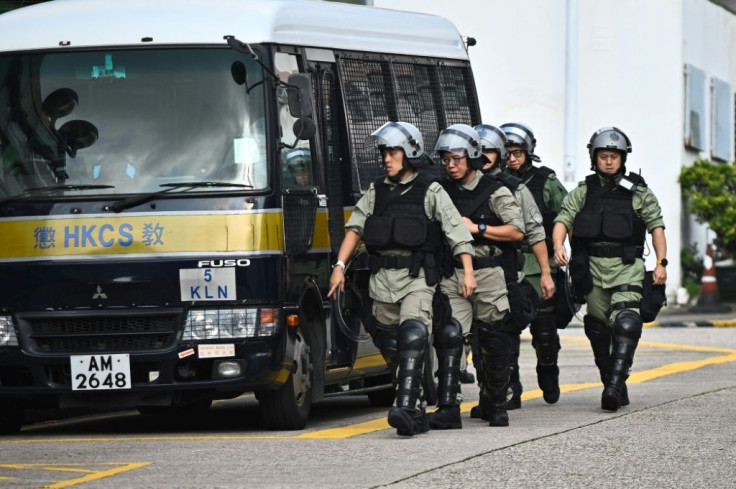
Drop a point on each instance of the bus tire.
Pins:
(288, 407)
(11, 419)
(430, 378)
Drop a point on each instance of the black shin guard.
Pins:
(448, 342)
(515, 388)
(495, 345)
(599, 335)
(412, 347)
(546, 344)
(627, 331)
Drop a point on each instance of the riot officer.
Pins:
(608, 215)
(493, 142)
(404, 220)
(548, 194)
(299, 164)
(494, 218)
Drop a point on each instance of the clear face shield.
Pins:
(454, 141)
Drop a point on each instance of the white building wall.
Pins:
(708, 38)
(630, 58)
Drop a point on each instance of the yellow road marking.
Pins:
(91, 475)
(728, 355)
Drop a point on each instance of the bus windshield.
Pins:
(128, 121)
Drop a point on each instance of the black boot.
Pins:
(627, 331)
(495, 347)
(515, 388)
(407, 417)
(546, 344)
(448, 342)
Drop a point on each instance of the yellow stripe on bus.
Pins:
(50, 237)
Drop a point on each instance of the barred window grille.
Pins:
(423, 92)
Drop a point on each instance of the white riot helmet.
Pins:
(405, 136)
(611, 138)
(520, 135)
(297, 158)
(459, 138)
(493, 138)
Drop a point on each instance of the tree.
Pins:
(710, 189)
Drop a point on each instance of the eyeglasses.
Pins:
(516, 153)
(455, 160)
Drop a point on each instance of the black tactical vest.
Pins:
(537, 178)
(608, 214)
(399, 221)
(474, 203)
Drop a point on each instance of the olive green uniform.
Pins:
(396, 296)
(490, 301)
(553, 193)
(611, 272)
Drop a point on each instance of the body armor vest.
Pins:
(608, 214)
(535, 184)
(399, 222)
(473, 204)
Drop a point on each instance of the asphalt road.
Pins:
(678, 432)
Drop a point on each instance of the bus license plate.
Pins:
(100, 372)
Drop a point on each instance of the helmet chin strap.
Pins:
(404, 168)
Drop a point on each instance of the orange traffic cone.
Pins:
(710, 299)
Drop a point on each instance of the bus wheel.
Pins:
(11, 418)
(288, 408)
(431, 364)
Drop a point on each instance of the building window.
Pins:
(694, 134)
(721, 122)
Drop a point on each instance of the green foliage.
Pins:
(710, 189)
(692, 269)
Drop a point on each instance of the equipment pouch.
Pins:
(409, 232)
(564, 308)
(587, 225)
(617, 224)
(523, 301)
(628, 255)
(653, 298)
(377, 232)
(441, 309)
(582, 280)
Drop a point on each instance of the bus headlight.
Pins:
(7, 332)
(221, 324)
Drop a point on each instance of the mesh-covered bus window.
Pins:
(368, 97)
(415, 102)
(422, 92)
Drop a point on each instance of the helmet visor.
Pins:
(455, 142)
(391, 135)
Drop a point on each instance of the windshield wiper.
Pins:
(142, 199)
(29, 191)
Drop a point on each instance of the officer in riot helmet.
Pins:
(608, 216)
(494, 218)
(493, 140)
(404, 220)
(298, 162)
(493, 143)
(548, 193)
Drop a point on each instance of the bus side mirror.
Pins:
(299, 91)
(77, 135)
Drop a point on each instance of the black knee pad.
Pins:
(596, 330)
(628, 325)
(386, 339)
(545, 340)
(494, 341)
(449, 336)
(412, 336)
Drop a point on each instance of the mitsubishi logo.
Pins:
(99, 294)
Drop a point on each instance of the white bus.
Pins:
(158, 247)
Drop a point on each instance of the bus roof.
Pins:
(74, 24)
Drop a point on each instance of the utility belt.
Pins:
(627, 253)
(480, 262)
(416, 261)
